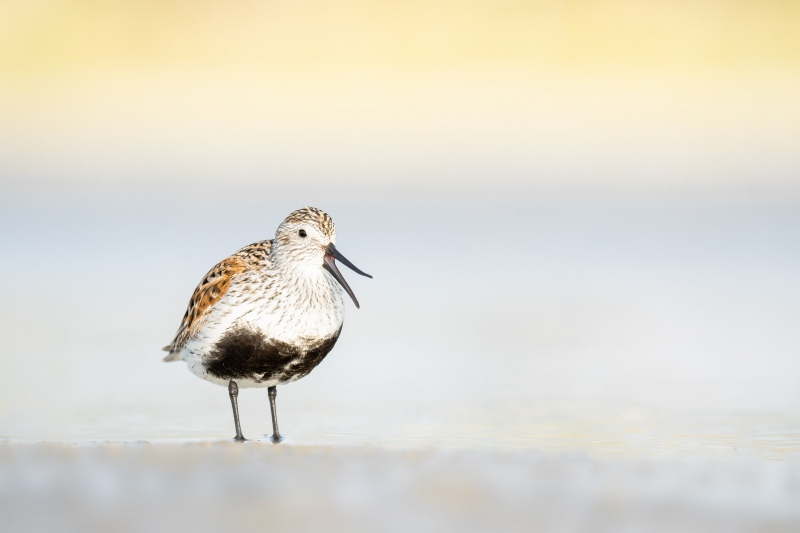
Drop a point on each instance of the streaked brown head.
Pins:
(306, 239)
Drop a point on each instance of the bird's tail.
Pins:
(173, 356)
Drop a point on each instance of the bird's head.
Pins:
(306, 240)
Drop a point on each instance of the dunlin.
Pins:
(269, 313)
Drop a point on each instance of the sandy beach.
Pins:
(213, 486)
(218, 485)
(555, 468)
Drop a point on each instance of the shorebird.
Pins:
(269, 313)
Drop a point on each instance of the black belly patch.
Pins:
(247, 354)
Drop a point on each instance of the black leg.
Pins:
(233, 390)
(276, 435)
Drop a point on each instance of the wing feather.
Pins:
(211, 290)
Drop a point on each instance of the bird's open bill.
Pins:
(331, 254)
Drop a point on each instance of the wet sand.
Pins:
(257, 486)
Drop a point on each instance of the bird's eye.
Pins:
(302, 233)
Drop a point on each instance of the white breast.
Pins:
(297, 310)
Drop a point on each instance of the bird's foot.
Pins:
(276, 438)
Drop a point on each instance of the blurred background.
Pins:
(583, 216)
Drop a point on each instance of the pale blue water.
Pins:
(496, 319)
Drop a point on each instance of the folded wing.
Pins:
(213, 287)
